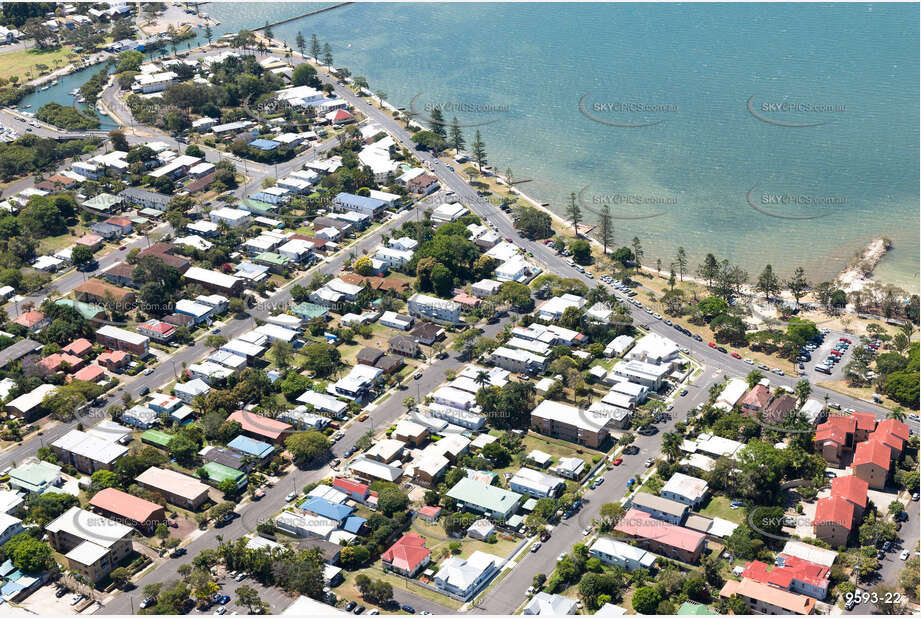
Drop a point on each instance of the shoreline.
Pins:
(851, 277)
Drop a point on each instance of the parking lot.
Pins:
(43, 602)
(275, 597)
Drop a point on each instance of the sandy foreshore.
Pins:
(859, 273)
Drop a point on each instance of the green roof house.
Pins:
(104, 202)
(157, 438)
(35, 476)
(309, 311)
(87, 310)
(689, 608)
(489, 500)
(217, 473)
(275, 261)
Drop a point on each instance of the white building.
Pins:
(447, 213)
(233, 217)
(685, 489)
(518, 361)
(434, 309)
(647, 374)
(535, 483)
(654, 349)
(455, 398)
(618, 346)
(323, 403)
(553, 309)
(188, 391)
(486, 288)
(618, 553)
(464, 577)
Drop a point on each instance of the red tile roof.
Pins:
(125, 505)
(836, 429)
(893, 442)
(112, 356)
(89, 240)
(120, 221)
(407, 553)
(78, 347)
(865, 421)
(641, 524)
(758, 396)
(90, 373)
(260, 425)
(157, 326)
(834, 510)
(351, 486)
(30, 318)
(341, 115)
(430, 511)
(789, 601)
(871, 452)
(896, 428)
(851, 488)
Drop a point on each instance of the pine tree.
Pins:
(479, 151)
(300, 43)
(681, 259)
(457, 137)
(208, 33)
(798, 284)
(637, 252)
(327, 55)
(709, 270)
(315, 47)
(437, 123)
(267, 31)
(574, 212)
(605, 228)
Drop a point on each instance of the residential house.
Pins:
(87, 453)
(685, 489)
(463, 577)
(126, 508)
(408, 556)
(764, 599)
(92, 545)
(661, 537)
(660, 508)
(871, 463)
(179, 489)
(434, 309)
(120, 339)
(617, 553)
(834, 520)
(489, 500)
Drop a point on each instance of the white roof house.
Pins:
(570, 415)
(685, 489)
(25, 403)
(92, 528)
(543, 604)
(518, 269)
(465, 576)
(813, 410)
(323, 403)
(553, 309)
(83, 444)
(446, 213)
(805, 551)
(618, 346)
(233, 217)
(734, 390)
(535, 483)
(456, 398)
(369, 468)
(611, 551)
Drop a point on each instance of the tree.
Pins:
(709, 270)
(249, 597)
(322, 358)
(437, 123)
(574, 213)
(803, 390)
(479, 151)
(457, 136)
(104, 479)
(327, 55)
(581, 250)
(637, 252)
(681, 260)
(300, 43)
(314, 47)
(768, 283)
(305, 75)
(646, 599)
(534, 223)
(605, 229)
(28, 553)
(307, 446)
(282, 352)
(120, 576)
(798, 285)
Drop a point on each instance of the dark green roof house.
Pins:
(218, 473)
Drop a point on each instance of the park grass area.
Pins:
(51, 244)
(19, 63)
(866, 394)
(435, 541)
(719, 507)
(347, 590)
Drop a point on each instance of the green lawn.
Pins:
(719, 507)
(347, 590)
(434, 541)
(19, 63)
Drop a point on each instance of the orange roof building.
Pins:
(407, 556)
(834, 519)
(852, 489)
(765, 599)
(871, 463)
(258, 426)
(128, 509)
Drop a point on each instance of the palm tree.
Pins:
(803, 390)
(481, 379)
(898, 414)
(671, 445)
(753, 378)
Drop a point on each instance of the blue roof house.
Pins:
(325, 508)
(264, 144)
(359, 203)
(248, 446)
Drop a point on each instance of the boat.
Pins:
(73, 92)
(54, 82)
(28, 106)
(44, 88)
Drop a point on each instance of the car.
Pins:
(362, 418)
(148, 371)
(62, 591)
(850, 604)
(904, 555)
(915, 497)
(736, 503)
(617, 461)
(587, 530)
(259, 495)
(122, 248)
(887, 545)
(291, 496)
(76, 599)
(647, 431)
(698, 337)
(657, 316)
(408, 609)
(599, 481)
(536, 547)
(649, 462)
(830, 475)
(668, 322)
(748, 361)
(374, 612)
(179, 551)
(631, 483)
(360, 609)
(763, 367)
(561, 556)
(722, 349)
(631, 450)
(712, 345)
(778, 371)
(418, 376)
(350, 606)
(684, 392)
(220, 611)
(736, 355)
(147, 602)
(224, 599)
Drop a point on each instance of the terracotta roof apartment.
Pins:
(757, 595)
(253, 423)
(834, 510)
(78, 347)
(894, 427)
(29, 318)
(865, 421)
(852, 489)
(871, 452)
(640, 524)
(124, 506)
(894, 443)
(91, 373)
(98, 290)
(783, 576)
